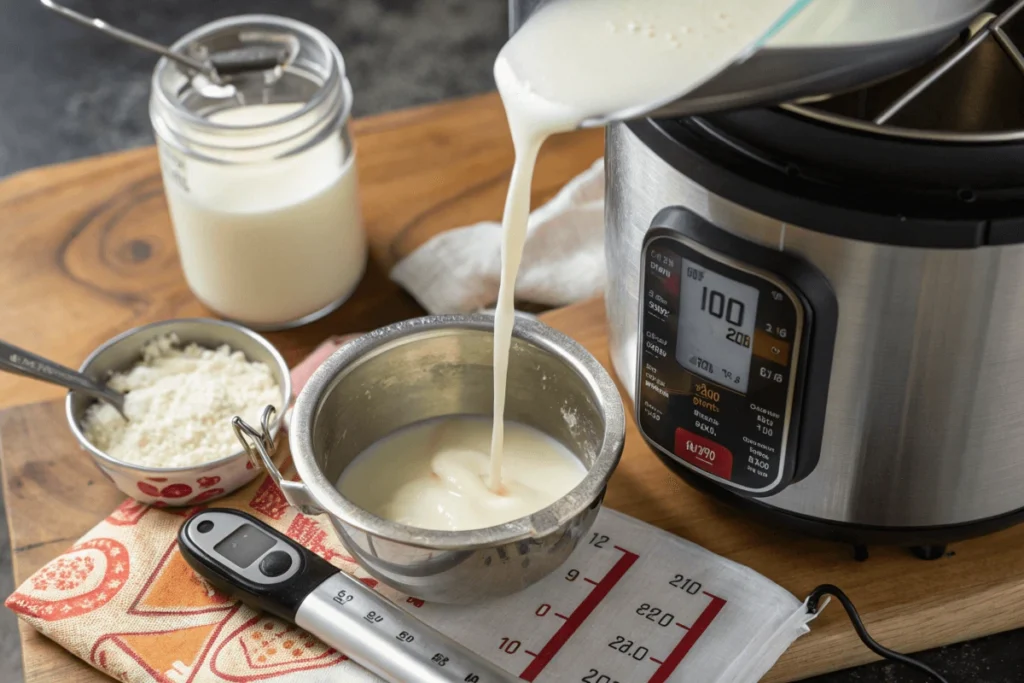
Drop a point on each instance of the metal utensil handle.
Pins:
(258, 445)
(131, 38)
(374, 632)
(27, 364)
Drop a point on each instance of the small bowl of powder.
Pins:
(183, 380)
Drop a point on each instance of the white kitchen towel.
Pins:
(459, 270)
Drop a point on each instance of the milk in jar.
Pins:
(259, 173)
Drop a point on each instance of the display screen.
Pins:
(716, 326)
(244, 545)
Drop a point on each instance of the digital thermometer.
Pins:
(246, 559)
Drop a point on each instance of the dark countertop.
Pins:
(67, 92)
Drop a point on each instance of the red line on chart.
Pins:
(656, 660)
(532, 654)
(693, 633)
(561, 616)
(682, 626)
(590, 581)
(579, 615)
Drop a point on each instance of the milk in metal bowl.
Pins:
(433, 475)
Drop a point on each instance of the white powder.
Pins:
(179, 404)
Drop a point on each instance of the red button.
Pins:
(704, 453)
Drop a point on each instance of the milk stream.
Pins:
(431, 475)
(517, 209)
(578, 59)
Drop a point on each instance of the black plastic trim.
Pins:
(821, 318)
(842, 532)
(748, 177)
(281, 599)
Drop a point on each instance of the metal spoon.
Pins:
(251, 58)
(20, 362)
(131, 38)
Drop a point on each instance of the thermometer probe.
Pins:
(248, 560)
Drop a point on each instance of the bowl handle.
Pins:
(258, 446)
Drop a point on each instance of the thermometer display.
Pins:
(716, 326)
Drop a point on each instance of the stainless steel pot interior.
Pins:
(973, 93)
(434, 367)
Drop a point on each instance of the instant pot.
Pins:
(817, 307)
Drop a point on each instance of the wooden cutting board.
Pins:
(55, 495)
(87, 251)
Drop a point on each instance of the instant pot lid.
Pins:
(944, 167)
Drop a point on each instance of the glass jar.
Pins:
(259, 172)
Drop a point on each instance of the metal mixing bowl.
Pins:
(176, 486)
(433, 367)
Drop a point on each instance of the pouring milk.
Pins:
(578, 59)
(572, 61)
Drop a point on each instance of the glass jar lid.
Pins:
(184, 105)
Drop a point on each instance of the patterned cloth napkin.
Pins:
(123, 599)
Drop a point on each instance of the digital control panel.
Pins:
(723, 352)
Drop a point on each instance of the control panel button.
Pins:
(704, 453)
(771, 348)
(276, 563)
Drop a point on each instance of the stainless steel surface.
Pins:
(436, 366)
(131, 39)
(519, 314)
(175, 486)
(20, 362)
(414, 658)
(924, 420)
(817, 47)
(973, 94)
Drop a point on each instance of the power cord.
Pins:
(813, 601)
